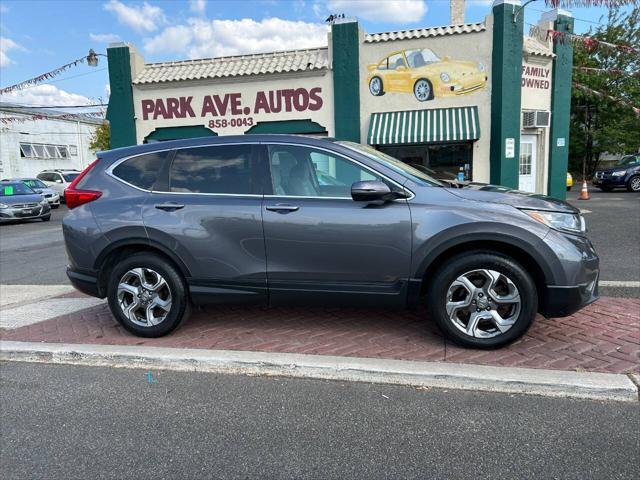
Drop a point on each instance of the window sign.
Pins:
(509, 148)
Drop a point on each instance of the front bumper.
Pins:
(563, 301)
(12, 214)
(609, 181)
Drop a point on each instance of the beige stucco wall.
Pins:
(537, 96)
(475, 46)
(248, 88)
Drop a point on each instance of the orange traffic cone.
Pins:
(584, 193)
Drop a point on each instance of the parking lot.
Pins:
(33, 253)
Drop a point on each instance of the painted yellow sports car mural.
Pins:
(423, 73)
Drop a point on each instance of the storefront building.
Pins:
(465, 100)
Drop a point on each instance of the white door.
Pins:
(528, 161)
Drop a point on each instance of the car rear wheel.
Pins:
(482, 299)
(147, 295)
(422, 90)
(375, 87)
(633, 185)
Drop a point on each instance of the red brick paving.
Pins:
(603, 337)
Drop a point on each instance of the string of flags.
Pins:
(588, 3)
(608, 71)
(65, 116)
(617, 100)
(43, 77)
(589, 43)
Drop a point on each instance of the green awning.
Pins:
(424, 126)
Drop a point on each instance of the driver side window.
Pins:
(299, 171)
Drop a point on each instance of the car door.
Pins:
(323, 246)
(398, 75)
(209, 213)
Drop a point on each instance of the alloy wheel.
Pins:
(635, 184)
(483, 303)
(144, 297)
(422, 90)
(375, 86)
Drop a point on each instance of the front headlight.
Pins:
(567, 222)
(481, 67)
(444, 77)
(618, 173)
(44, 202)
(4, 205)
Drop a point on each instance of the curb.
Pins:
(555, 383)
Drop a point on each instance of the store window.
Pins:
(442, 161)
(307, 172)
(38, 150)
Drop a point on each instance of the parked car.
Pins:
(569, 181)
(37, 186)
(421, 72)
(624, 175)
(19, 202)
(157, 227)
(58, 180)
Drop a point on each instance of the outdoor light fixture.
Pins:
(92, 58)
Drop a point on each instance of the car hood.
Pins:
(20, 199)
(621, 168)
(44, 190)
(483, 192)
(451, 67)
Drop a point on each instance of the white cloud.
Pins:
(104, 37)
(393, 11)
(144, 18)
(6, 45)
(211, 38)
(198, 6)
(48, 95)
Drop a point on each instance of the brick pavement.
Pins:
(603, 337)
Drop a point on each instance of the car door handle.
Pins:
(169, 206)
(282, 208)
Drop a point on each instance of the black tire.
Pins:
(633, 184)
(568, 189)
(55, 206)
(46, 219)
(180, 304)
(381, 92)
(606, 189)
(429, 95)
(453, 268)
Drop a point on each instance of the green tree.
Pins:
(614, 128)
(101, 137)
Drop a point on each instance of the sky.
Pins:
(39, 36)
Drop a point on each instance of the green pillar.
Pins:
(560, 108)
(506, 80)
(120, 112)
(345, 48)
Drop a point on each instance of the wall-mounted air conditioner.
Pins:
(536, 119)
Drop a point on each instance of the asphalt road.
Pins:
(33, 253)
(72, 422)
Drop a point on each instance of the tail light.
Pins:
(75, 197)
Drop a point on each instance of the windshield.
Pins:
(33, 183)
(70, 177)
(12, 189)
(629, 160)
(420, 58)
(393, 163)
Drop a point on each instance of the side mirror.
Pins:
(371, 191)
(58, 180)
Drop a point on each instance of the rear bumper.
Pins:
(86, 282)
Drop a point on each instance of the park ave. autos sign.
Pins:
(234, 109)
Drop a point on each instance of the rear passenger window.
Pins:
(219, 169)
(141, 171)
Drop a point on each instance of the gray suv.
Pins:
(296, 220)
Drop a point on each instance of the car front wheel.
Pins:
(147, 295)
(633, 185)
(422, 90)
(482, 299)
